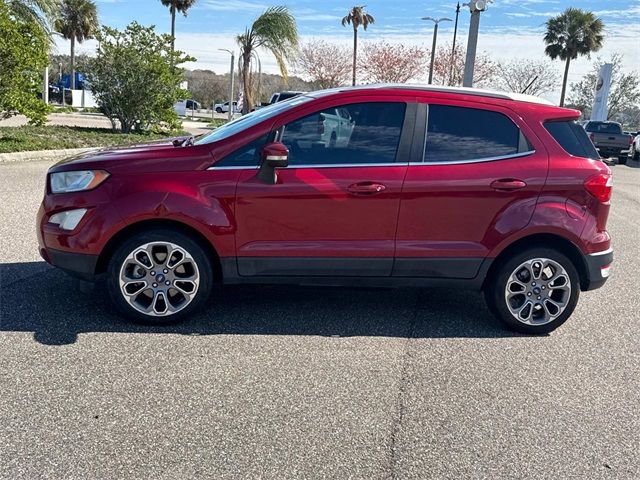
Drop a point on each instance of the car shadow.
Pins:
(40, 299)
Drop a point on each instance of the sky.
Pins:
(509, 29)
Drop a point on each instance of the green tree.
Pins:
(134, 78)
(356, 17)
(41, 12)
(23, 56)
(276, 31)
(78, 21)
(181, 6)
(623, 93)
(574, 32)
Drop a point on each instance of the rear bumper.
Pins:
(598, 268)
(612, 151)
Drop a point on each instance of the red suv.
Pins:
(377, 185)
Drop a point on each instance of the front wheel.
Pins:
(534, 292)
(159, 277)
(218, 110)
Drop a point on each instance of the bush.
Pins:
(135, 78)
(23, 57)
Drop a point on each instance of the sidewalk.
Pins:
(93, 120)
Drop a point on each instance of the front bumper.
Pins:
(78, 265)
(598, 268)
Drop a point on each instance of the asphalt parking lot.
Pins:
(275, 382)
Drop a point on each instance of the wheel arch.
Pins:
(145, 225)
(548, 240)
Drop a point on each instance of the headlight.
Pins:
(77, 181)
(69, 219)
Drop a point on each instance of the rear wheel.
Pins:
(534, 291)
(159, 277)
(218, 110)
(622, 159)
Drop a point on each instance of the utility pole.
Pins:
(433, 46)
(230, 114)
(45, 86)
(453, 48)
(475, 6)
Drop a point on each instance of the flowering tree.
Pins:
(448, 72)
(327, 65)
(534, 77)
(392, 63)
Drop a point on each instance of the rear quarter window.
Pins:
(572, 138)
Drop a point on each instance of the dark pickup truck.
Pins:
(609, 139)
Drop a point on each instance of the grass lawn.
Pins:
(216, 122)
(27, 138)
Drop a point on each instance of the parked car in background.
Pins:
(634, 150)
(183, 107)
(428, 186)
(609, 139)
(280, 96)
(330, 129)
(224, 107)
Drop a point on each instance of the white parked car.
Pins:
(182, 107)
(224, 107)
(331, 128)
(634, 149)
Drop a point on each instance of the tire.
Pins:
(622, 159)
(510, 306)
(180, 285)
(635, 155)
(218, 110)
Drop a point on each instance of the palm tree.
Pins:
(42, 12)
(177, 5)
(356, 17)
(78, 20)
(276, 31)
(574, 32)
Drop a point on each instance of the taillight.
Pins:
(321, 127)
(592, 137)
(600, 186)
(630, 139)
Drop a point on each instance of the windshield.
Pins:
(251, 119)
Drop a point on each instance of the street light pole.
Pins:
(230, 83)
(433, 45)
(453, 48)
(475, 6)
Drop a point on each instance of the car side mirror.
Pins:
(274, 155)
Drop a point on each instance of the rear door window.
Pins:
(457, 134)
(572, 138)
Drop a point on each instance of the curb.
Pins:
(41, 155)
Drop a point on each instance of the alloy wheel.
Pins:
(159, 278)
(538, 291)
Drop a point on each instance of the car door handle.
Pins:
(508, 184)
(366, 188)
